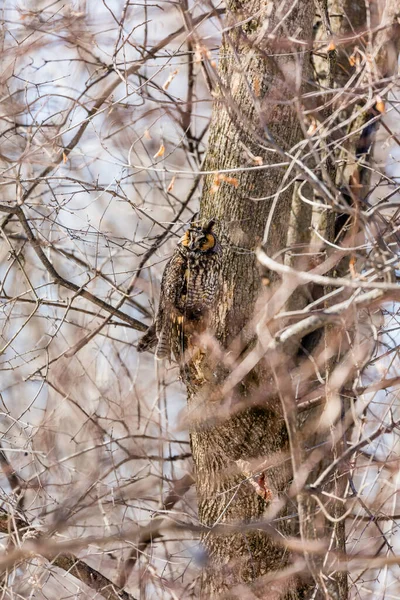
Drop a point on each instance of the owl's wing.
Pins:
(173, 282)
(163, 349)
(159, 335)
(149, 340)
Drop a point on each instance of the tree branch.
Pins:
(79, 291)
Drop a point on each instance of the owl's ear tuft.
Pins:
(208, 228)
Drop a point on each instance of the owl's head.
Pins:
(199, 239)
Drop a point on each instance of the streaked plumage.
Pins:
(188, 292)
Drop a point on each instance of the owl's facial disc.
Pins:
(207, 242)
(185, 239)
(198, 241)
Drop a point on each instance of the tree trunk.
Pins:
(257, 94)
(243, 420)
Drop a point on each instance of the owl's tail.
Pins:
(163, 349)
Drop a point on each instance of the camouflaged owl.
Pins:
(188, 292)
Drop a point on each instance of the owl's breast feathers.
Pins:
(188, 292)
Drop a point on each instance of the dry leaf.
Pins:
(147, 135)
(201, 53)
(215, 185)
(220, 177)
(160, 151)
(171, 184)
(258, 161)
(354, 60)
(312, 128)
(354, 181)
(257, 87)
(65, 158)
(352, 267)
(231, 180)
(170, 78)
(380, 105)
(258, 481)
(331, 47)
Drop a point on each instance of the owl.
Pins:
(188, 291)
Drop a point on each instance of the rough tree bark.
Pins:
(263, 69)
(256, 100)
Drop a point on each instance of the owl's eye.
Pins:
(185, 239)
(208, 243)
